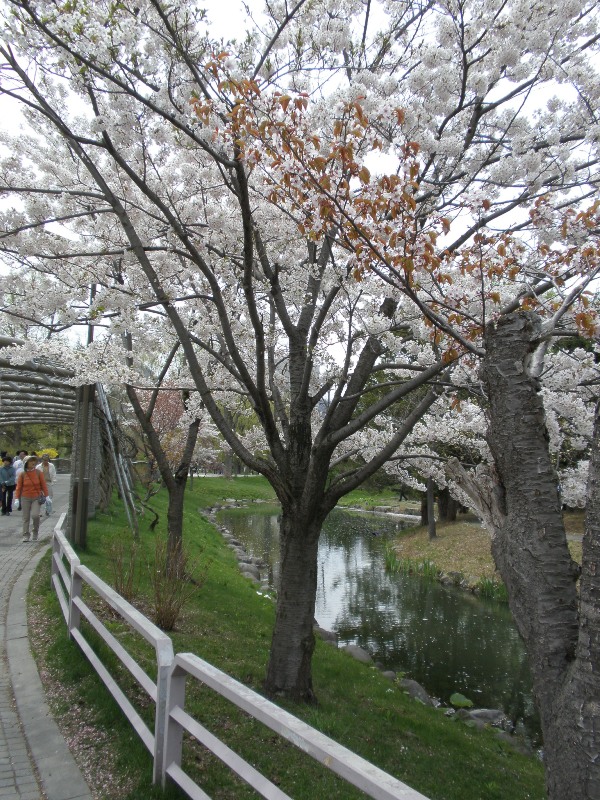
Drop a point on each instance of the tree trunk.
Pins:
(531, 553)
(575, 734)
(430, 509)
(289, 671)
(17, 436)
(586, 678)
(424, 510)
(175, 525)
(447, 505)
(228, 464)
(106, 478)
(174, 483)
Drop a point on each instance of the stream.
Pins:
(445, 638)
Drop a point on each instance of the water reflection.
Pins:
(445, 638)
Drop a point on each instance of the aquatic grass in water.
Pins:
(408, 566)
(426, 569)
(492, 589)
(390, 558)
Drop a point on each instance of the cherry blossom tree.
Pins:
(340, 196)
(476, 291)
(456, 428)
(171, 430)
(168, 221)
(478, 297)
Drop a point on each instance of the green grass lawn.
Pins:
(214, 491)
(366, 498)
(229, 624)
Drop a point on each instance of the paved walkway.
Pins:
(35, 762)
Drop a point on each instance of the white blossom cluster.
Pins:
(153, 195)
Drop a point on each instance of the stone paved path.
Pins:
(35, 763)
(17, 775)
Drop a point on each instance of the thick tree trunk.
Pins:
(577, 771)
(289, 671)
(228, 464)
(531, 553)
(588, 647)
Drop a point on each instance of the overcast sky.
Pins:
(227, 17)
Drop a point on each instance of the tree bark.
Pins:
(447, 505)
(587, 685)
(228, 464)
(575, 739)
(289, 671)
(431, 531)
(175, 526)
(530, 549)
(106, 479)
(424, 512)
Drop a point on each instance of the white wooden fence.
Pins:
(68, 581)
(168, 694)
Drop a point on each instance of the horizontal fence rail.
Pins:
(356, 770)
(69, 577)
(61, 576)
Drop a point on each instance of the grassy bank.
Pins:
(388, 499)
(464, 547)
(229, 624)
(460, 547)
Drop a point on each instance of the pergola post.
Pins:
(80, 465)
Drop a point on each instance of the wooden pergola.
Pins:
(39, 392)
(35, 392)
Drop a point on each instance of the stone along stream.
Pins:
(445, 638)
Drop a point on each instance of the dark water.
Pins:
(445, 638)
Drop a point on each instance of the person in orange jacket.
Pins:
(31, 485)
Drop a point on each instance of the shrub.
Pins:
(124, 567)
(175, 579)
(50, 451)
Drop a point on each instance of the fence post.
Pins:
(173, 744)
(55, 555)
(76, 591)
(164, 663)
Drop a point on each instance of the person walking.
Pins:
(48, 470)
(8, 480)
(31, 486)
(18, 462)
